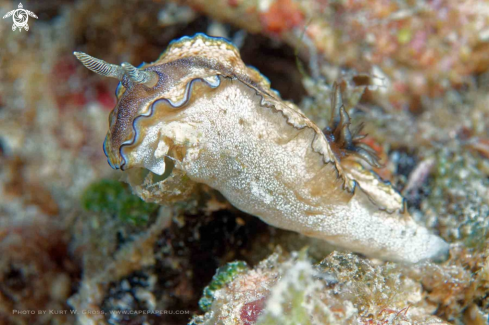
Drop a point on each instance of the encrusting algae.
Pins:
(219, 122)
(341, 289)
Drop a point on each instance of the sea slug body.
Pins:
(218, 120)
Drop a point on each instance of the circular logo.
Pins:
(20, 18)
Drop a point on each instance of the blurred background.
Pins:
(74, 238)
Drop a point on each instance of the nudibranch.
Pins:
(201, 112)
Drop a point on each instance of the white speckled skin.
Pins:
(268, 168)
(231, 132)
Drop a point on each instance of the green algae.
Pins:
(404, 36)
(224, 275)
(113, 198)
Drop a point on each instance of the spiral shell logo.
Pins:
(20, 16)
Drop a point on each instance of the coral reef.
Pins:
(418, 48)
(341, 289)
(459, 200)
(414, 73)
